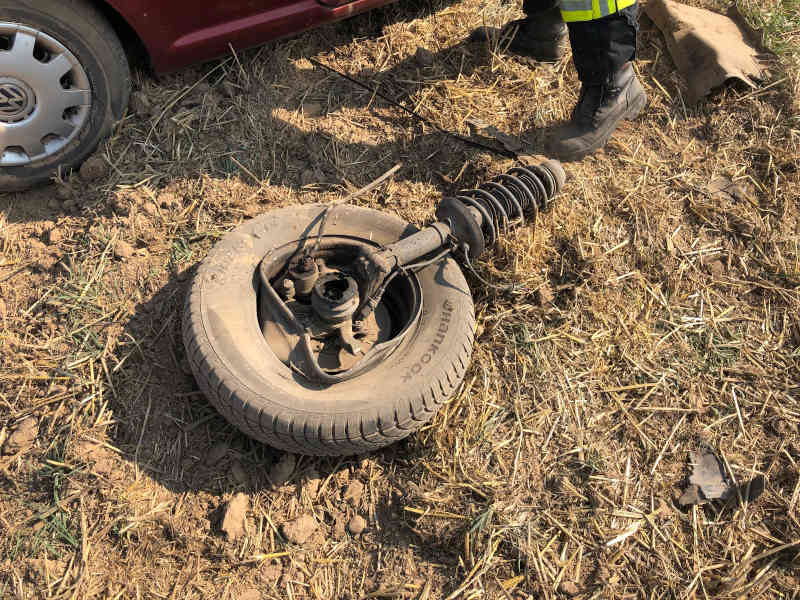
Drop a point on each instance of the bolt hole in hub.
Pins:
(45, 95)
(338, 342)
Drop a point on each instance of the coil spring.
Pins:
(504, 201)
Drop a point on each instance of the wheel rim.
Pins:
(45, 95)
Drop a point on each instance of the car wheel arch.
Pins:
(132, 41)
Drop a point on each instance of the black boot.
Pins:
(599, 110)
(541, 35)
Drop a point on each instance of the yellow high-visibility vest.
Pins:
(589, 10)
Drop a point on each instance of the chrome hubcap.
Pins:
(45, 95)
(17, 100)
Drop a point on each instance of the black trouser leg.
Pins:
(534, 7)
(601, 47)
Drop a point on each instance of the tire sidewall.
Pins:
(108, 89)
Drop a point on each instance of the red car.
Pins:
(64, 77)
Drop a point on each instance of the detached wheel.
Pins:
(64, 81)
(246, 375)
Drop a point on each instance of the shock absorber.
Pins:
(471, 222)
(500, 204)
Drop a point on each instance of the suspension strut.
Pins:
(469, 223)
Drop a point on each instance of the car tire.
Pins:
(82, 40)
(238, 372)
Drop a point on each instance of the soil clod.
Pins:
(140, 104)
(216, 453)
(568, 588)
(708, 480)
(63, 192)
(239, 474)
(357, 525)
(352, 494)
(272, 572)
(55, 235)
(299, 530)
(22, 437)
(717, 268)
(544, 295)
(250, 594)
(123, 250)
(311, 486)
(102, 458)
(93, 169)
(282, 470)
(233, 519)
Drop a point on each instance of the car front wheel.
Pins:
(64, 81)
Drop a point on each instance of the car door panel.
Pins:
(180, 32)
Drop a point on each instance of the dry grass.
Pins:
(555, 468)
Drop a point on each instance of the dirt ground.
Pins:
(670, 320)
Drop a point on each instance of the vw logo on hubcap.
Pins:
(16, 100)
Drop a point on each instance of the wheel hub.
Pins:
(17, 100)
(335, 297)
(309, 311)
